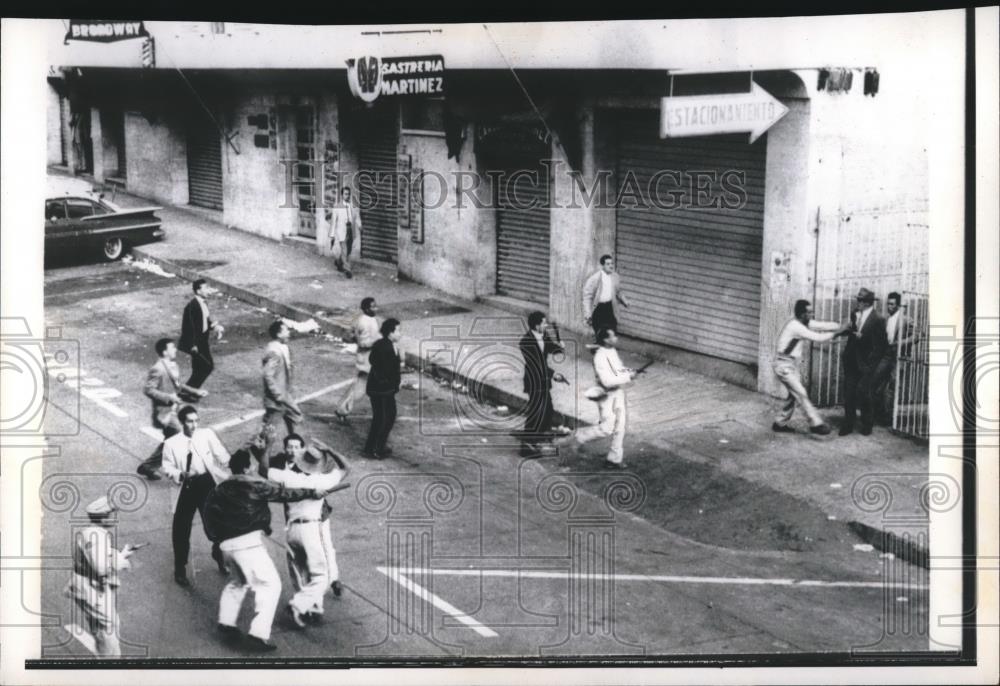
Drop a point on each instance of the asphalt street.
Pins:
(453, 547)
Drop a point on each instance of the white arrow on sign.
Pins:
(704, 115)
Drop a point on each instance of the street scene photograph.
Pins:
(513, 344)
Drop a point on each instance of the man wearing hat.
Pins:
(94, 584)
(312, 558)
(237, 515)
(866, 346)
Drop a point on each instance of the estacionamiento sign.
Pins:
(104, 31)
(371, 77)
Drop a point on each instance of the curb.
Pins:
(902, 547)
(477, 389)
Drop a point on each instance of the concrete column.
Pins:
(573, 231)
(97, 142)
(788, 246)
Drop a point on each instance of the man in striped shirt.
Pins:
(786, 365)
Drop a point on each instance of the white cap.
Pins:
(100, 507)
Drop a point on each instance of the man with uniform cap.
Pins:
(94, 584)
(312, 558)
(238, 515)
(866, 346)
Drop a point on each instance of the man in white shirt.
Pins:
(345, 221)
(366, 333)
(791, 341)
(196, 460)
(600, 290)
(899, 335)
(312, 558)
(609, 393)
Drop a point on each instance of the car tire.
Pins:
(112, 249)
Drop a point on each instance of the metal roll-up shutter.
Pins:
(204, 150)
(523, 225)
(691, 271)
(377, 157)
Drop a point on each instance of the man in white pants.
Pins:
(786, 365)
(366, 333)
(238, 515)
(312, 558)
(612, 376)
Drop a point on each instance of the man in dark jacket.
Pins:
(382, 386)
(866, 346)
(196, 329)
(236, 515)
(535, 347)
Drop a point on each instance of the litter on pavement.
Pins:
(147, 266)
(308, 326)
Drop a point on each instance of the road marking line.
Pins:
(752, 581)
(85, 639)
(249, 416)
(416, 589)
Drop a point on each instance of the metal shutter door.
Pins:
(204, 149)
(377, 155)
(523, 235)
(691, 275)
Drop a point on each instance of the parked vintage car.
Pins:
(79, 219)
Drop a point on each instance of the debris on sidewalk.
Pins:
(408, 385)
(317, 285)
(887, 556)
(147, 265)
(503, 410)
(308, 326)
(836, 486)
(864, 547)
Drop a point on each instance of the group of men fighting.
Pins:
(232, 492)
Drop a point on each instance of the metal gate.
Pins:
(883, 249)
(909, 384)
(204, 151)
(692, 265)
(523, 230)
(379, 138)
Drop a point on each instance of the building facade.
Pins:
(507, 179)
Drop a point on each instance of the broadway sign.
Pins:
(371, 77)
(103, 31)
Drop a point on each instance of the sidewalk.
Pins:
(674, 415)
